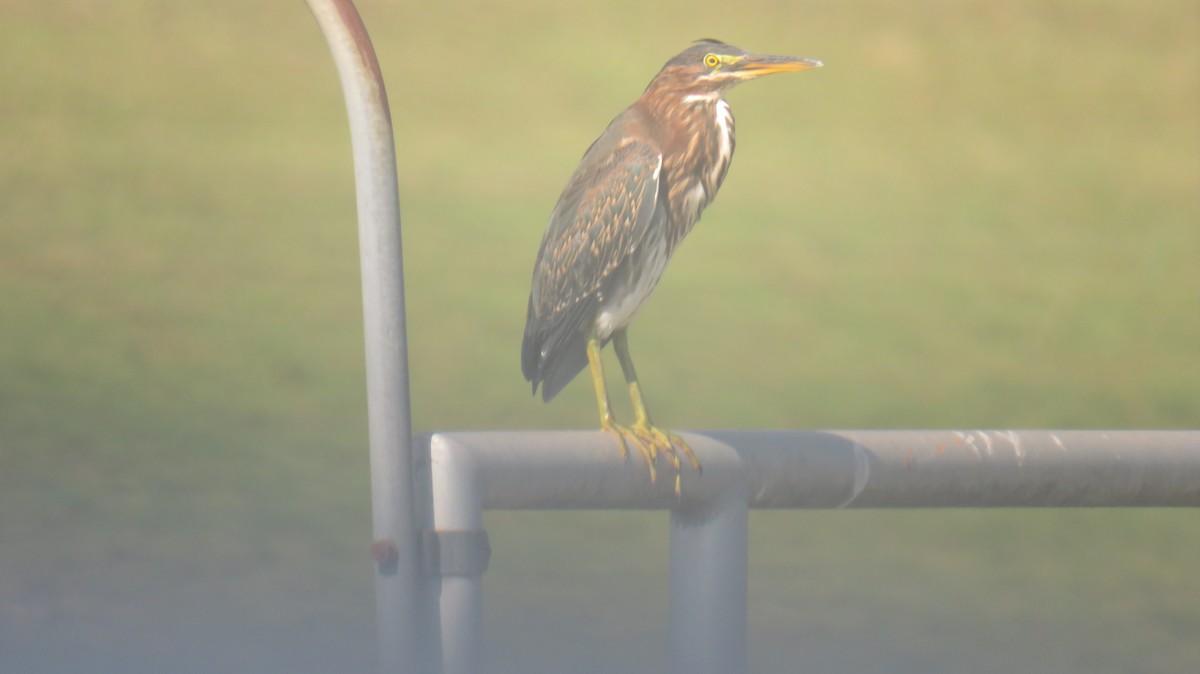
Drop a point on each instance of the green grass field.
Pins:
(976, 215)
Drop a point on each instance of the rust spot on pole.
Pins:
(386, 555)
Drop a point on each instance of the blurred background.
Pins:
(978, 214)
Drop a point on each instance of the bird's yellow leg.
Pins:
(667, 441)
(607, 421)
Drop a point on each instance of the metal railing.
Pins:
(468, 473)
(429, 494)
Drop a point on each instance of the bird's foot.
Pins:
(626, 436)
(650, 441)
(669, 444)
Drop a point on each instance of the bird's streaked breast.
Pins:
(698, 171)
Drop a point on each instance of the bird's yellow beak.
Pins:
(753, 66)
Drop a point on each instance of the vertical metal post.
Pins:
(455, 531)
(397, 580)
(708, 580)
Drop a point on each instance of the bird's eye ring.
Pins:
(712, 60)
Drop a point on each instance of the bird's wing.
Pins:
(599, 221)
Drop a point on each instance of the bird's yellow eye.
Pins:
(712, 60)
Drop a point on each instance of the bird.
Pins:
(637, 192)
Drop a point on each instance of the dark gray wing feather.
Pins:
(597, 225)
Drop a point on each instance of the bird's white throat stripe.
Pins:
(707, 97)
(724, 119)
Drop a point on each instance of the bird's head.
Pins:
(711, 66)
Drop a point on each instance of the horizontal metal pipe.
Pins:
(832, 469)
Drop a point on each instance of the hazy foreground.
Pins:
(978, 214)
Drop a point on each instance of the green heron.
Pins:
(638, 191)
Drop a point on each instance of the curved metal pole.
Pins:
(397, 580)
